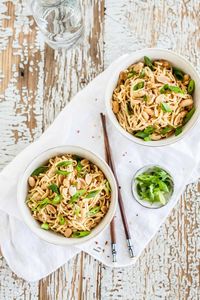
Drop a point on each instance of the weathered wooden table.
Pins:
(37, 82)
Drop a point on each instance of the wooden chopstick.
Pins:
(112, 224)
(120, 201)
(113, 240)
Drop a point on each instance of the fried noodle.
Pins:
(71, 197)
(142, 100)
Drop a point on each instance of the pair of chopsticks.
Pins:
(120, 201)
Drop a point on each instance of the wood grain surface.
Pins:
(36, 82)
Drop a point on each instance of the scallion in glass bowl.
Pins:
(152, 186)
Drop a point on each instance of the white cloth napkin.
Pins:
(79, 124)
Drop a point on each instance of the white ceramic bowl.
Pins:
(51, 236)
(177, 61)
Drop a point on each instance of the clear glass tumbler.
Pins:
(60, 21)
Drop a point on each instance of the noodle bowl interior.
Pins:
(153, 100)
(69, 195)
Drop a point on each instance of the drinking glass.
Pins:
(60, 21)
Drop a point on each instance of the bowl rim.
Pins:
(124, 63)
(33, 224)
(133, 186)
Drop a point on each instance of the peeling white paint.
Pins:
(5, 33)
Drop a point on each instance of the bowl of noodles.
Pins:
(67, 195)
(153, 97)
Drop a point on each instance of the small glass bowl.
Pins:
(135, 193)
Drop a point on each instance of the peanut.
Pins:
(44, 186)
(115, 107)
(138, 67)
(186, 77)
(145, 116)
(65, 192)
(186, 102)
(165, 63)
(72, 190)
(31, 181)
(155, 137)
(122, 77)
(67, 232)
(149, 111)
(186, 82)
(88, 178)
(180, 117)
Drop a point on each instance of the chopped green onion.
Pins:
(56, 199)
(138, 86)
(178, 130)
(131, 74)
(188, 116)
(62, 172)
(94, 210)
(77, 195)
(142, 73)
(167, 87)
(61, 220)
(148, 62)
(164, 88)
(54, 188)
(176, 89)
(34, 209)
(79, 167)
(92, 194)
(165, 107)
(107, 186)
(141, 134)
(45, 226)
(77, 211)
(149, 130)
(154, 185)
(145, 133)
(163, 186)
(79, 234)
(178, 73)
(77, 158)
(145, 98)
(64, 163)
(191, 87)
(43, 203)
(161, 198)
(129, 108)
(39, 170)
(166, 130)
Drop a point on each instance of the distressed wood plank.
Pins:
(168, 268)
(72, 70)
(21, 73)
(12, 287)
(20, 98)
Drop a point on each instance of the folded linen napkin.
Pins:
(79, 124)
